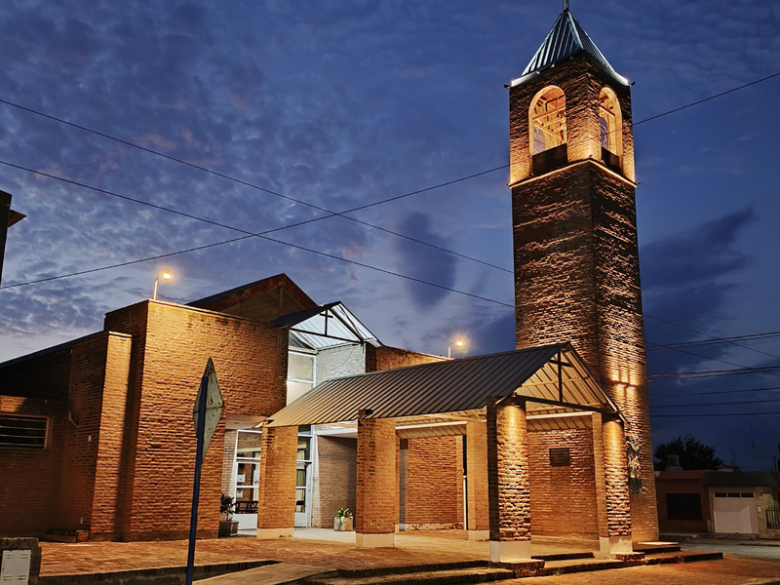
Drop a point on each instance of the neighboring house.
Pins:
(744, 503)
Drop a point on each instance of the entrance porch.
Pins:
(522, 414)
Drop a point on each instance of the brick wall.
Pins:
(30, 484)
(576, 256)
(334, 480)
(562, 498)
(376, 486)
(618, 508)
(92, 367)
(434, 483)
(228, 460)
(105, 502)
(42, 375)
(476, 463)
(388, 358)
(508, 482)
(276, 498)
(341, 360)
(171, 344)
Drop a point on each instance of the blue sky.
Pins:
(343, 103)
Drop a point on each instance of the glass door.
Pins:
(303, 480)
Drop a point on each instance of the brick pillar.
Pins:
(601, 486)
(477, 480)
(276, 496)
(376, 507)
(508, 481)
(618, 504)
(397, 513)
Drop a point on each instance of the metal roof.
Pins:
(567, 38)
(421, 395)
(325, 326)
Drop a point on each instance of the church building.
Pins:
(552, 438)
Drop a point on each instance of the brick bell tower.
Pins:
(575, 236)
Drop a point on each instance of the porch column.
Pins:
(601, 486)
(477, 480)
(276, 494)
(377, 487)
(618, 504)
(508, 481)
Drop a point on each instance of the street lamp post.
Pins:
(457, 343)
(164, 275)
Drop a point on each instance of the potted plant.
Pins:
(227, 526)
(343, 520)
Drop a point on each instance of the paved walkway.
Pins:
(313, 546)
(268, 575)
(412, 548)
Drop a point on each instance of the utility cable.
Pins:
(710, 336)
(710, 373)
(248, 234)
(699, 404)
(702, 356)
(301, 202)
(713, 414)
(755, 337)
(713, 393)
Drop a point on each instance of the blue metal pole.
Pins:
(200, 432)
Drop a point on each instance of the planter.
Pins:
(343, 524)
(228, 527)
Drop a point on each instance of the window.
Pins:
(610, 122)
(27, 432)
(560, 457)
(683, 506)
(300, 374)
(548, 120)
(247, 465)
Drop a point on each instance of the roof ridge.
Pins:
(459, 360)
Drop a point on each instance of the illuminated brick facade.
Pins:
(576, 256)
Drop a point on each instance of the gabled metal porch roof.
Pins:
(553, 378)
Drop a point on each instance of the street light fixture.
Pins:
(164, 275)
(456, 343)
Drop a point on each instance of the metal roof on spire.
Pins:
(567, 38)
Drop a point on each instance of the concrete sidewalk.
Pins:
(277, 574)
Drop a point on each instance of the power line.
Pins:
(712, 97)
(714, 393)
(721, 340)
(704, 356)
(699, 404)
(712, 373)
(714, 414)
(248, 235)
(710, 336)
(331, 214)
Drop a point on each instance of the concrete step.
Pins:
(430, 577)
(652, 548)
(683, 556)
(374, 571)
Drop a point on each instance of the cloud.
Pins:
(705, 252)
(424, 264)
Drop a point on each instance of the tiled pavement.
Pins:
(412, 549)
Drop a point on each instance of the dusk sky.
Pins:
(343, 103)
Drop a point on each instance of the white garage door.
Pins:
(735, 513)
